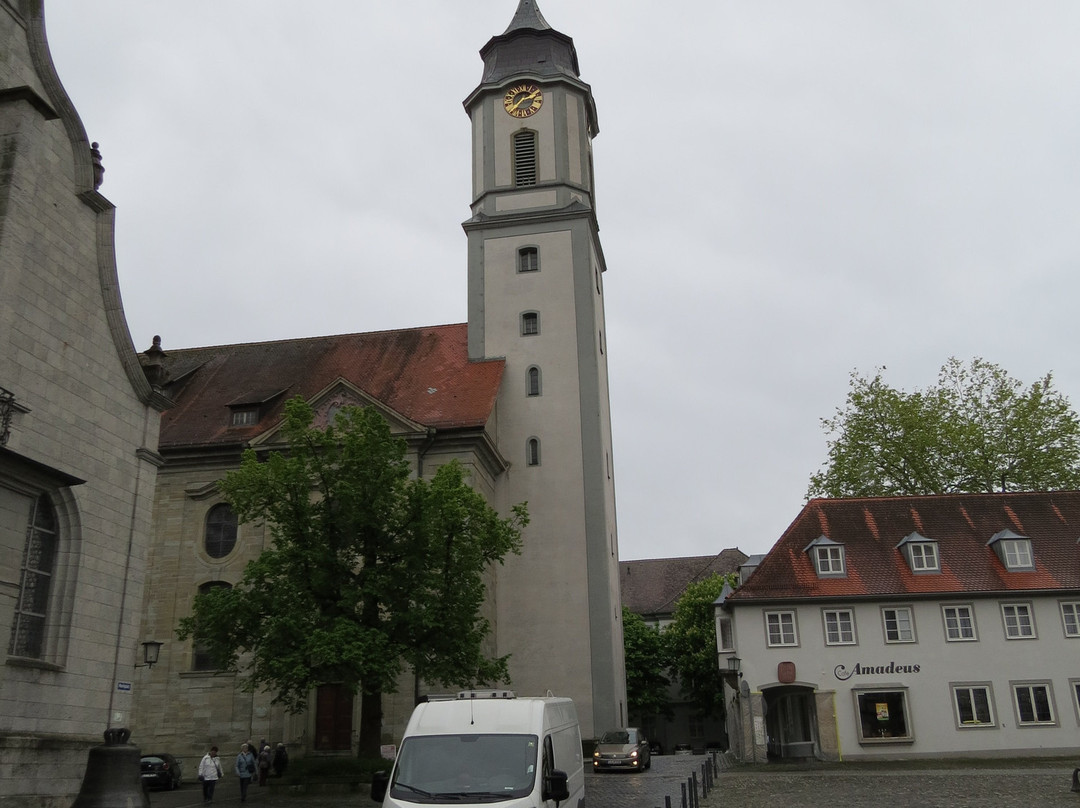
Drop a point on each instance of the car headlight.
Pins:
(633, 754)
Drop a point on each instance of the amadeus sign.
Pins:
(843, 674)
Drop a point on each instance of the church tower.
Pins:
(536, 300)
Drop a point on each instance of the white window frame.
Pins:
(1017, 554)
(970, 614)
(1030, 688)
(899, 631)
(725, 633)
(1074, 689)
(924, 556)
(528, 259)
(1019, 620)
(1070, 618)
(530, 323)
(783, 619)
(830, 559)
(970, 689)
(836, 633)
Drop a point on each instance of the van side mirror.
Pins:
(556, 787)
(379, 782)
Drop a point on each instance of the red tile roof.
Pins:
(961, 524)
(652, 587)
(422, 373)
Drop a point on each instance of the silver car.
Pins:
(626, 748)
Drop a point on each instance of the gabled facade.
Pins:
(78, 438)
(911, 627)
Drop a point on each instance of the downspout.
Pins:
(423, 450)
(420, 452)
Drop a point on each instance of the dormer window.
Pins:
(921, 553)
(1014, 550)
(828, 557)
(248, 416)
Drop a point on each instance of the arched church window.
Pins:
(200, 655)
(530, 324)
(529, 259)
(35, 581)
(524, 149)
(532, 452)
(220, 531)
(532, 381)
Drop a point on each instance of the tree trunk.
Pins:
(370, 725)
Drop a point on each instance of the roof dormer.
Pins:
(828, 557)
(1014, 550)
(920, 553)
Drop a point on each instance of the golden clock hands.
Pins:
(522, 99)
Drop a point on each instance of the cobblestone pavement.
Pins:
(647, 789)
(985, 784)
(1039, 785)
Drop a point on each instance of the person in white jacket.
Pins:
(209, 772)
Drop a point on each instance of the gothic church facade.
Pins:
(519, 394)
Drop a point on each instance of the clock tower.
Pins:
(536, 299)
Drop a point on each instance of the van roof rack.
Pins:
(487, 694)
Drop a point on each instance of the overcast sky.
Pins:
(787, 192)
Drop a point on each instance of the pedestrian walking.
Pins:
(264, 764)
(245, 769)
(281, 760)
(209, 774)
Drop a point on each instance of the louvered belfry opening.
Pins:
(524, 158)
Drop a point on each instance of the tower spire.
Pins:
(527, 16)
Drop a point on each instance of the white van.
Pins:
(486, 747)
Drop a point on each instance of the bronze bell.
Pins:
(112, 778)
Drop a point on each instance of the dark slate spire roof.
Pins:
(529, 46)
(527, 16)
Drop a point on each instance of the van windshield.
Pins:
(464, 768)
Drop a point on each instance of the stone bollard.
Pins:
(1076, 780)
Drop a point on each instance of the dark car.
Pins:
(161, 771)
(626, 748)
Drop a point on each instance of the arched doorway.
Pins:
(791, 723)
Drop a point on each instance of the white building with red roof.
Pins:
(910, 627)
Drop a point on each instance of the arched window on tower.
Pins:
(532, 381)
(532, 452)
(529, 259)
(530, 324)
(524, 158)
(220, 531)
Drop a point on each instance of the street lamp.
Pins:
(151, 649)
(733, 665)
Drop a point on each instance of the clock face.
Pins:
(523, 100)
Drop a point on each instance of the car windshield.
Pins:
(616, 736)
(453, 768)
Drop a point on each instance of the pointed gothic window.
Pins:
(532, 381)
(524, 158)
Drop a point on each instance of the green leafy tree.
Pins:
(356, 581)
(646, 665)
(977, 430)
(691, 641)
